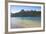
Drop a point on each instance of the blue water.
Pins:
(15, 20)
(28, 17)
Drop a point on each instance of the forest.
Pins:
(27, 13)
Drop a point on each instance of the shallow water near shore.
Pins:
(25, 22)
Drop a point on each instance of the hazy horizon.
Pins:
(16, 8)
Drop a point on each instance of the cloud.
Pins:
(15, 11)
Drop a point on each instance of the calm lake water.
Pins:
(25, 22)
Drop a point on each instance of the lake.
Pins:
(25, 22)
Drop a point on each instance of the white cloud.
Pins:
(15, 11)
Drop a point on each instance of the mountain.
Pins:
(23, 13)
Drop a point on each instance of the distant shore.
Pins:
(23, 13)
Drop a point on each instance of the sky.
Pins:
(16, 8)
